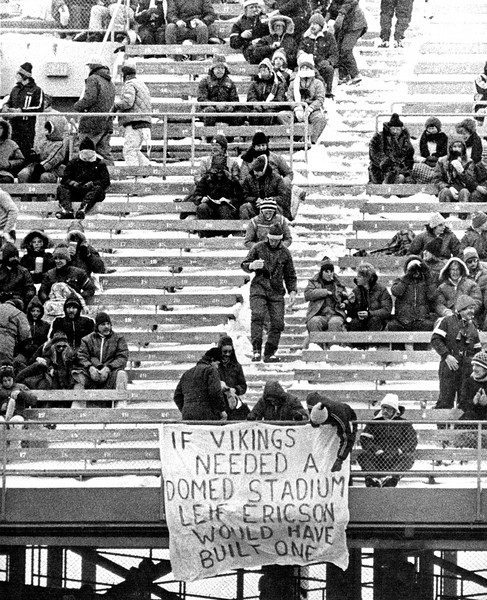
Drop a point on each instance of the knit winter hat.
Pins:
(463, 301)
(275, 232)
(468, 124)
(213, 354)
(259, 164)
(478, 219)
(366, 270)
(279, 53)
(314, 398)
(326, 264)
(259, 138)
(470, 252)
(268, 203)
(249, 2)
(317, 18)
(87, 144)
(435, 220)
(26, 70)
(102, 317)
(390, 400)
(62, 252)
(9, 251)
(395, 121)
(480, 359)
(221, 140)
(266, 63)
(306, 61)
(7, 370)
(72, 300)
(433, 122)
(219, 60)
(434, 247)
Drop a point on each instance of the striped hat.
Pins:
(480, 359)
(268, 203)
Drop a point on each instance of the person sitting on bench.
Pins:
(391, 153)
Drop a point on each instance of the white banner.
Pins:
(252, 494)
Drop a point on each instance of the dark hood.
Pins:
(251, 154)
(101, 71)
(409, 259)
(9, 251)
(274, 389)
(226, 340)
(35, 303)
(35, 233)
(54, 133)
(457, 141)
(74, 301)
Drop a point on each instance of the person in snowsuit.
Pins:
(433, 144)
(273, 266)
(73, 325)
(47, 161)
(454, 281)
(281, 30)
(277, 405)
(436, 229)
(15, 280)
(267, 90)
(217, 87)
(371, 306)
(258, 227)
(402, 9)
(249, 29)
(37, 260)
(391, 153)
(387, 447)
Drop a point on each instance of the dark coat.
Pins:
(99, 96)
(278, 269)
(29, 259)
(186, 10)
(74, 329)
(39, 329)
(215, 187)
(11, 157)
(474, 239)
(441, 140)
(270, 185)
(448, 293)
(414, 298)
(260, 89)
(198, 394)
(473, 411)
(474, 142)
(16, 282)
(387, 152)
(353, 16)
(450, 244)
(81, 171)
(74, 277)
(212, 89)
(99, 351)
(287, 408)
(446, 176)
(264, 48)
(394, 440)
(30, 98)
(341, 416)
(319, 301)
(152, 18)
(452, 335)
(15, 330)
(375, 298)
(258, 25)
(323, 48)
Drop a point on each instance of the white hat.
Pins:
(390, 400)
(435, 220)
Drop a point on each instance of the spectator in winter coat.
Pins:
(432, 258)
(370, 304)
(319, 42)
(266, 89)
(305, 87)
(98, 96)
(83, 255)
(152, 22)
(15, 280)
(459, 179)
(474, 397)
(281, 30)
(328, 300)
(259, 147)
(233, 381)
(387, 447)
(467, 130)
(249, 29)
(190, 19)
(403, 10)
(476, 235)
(52, 369)
(217, 195)
(415, 294)
(259, 226)
(14, 329)
(277, 405)
(297, 10)
(436, 228)
(219, 147)
(25, 97)
(46, 162)
(11, 157)
(73, 325)
(263, 183)
(273, 266)
(391, 153)
(349, 25)
(433, 144)
(39, 329)
(85, 180)
(324, 411)
(280, 66)
(456, 339)
(64, 272)
(217, 87)
(37, 260)
(134, 98)
(8, 218)
(102, 356)
(14, 397)
(454, 282)
(199, 395)
(477, 271)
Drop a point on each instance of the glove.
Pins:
(319, 414)
(337, 466)
(104, 373)
(94, 373)
(256, 264)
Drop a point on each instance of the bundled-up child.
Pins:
(14, 397)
